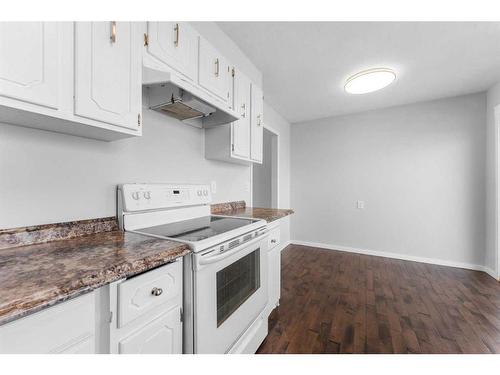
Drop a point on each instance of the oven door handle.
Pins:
(209, 259)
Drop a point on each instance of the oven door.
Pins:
(230, 292)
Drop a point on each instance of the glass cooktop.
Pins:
(198, 229)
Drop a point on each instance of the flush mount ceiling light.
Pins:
(369, 80)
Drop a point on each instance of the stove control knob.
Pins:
(147, 194)
(199, 193)
(205, 192)
(135, 195)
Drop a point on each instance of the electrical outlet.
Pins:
(360, 205)
(213, 187)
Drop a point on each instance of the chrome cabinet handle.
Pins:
(176, 29)
(258, 120)
(244, 108)
(113, 32)
(274, 241)
(156, 291)
(217, 67)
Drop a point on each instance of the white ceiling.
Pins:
(305, 64)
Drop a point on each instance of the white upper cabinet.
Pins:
(257, 124)
(108, 72)
(241, 128)
(214, 71)
(174, 44)
(83, 79)
(241, 142)
(30, 62)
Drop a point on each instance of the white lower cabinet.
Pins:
(146, 312)
(68, 327)
(142, 314)
(161, 336)
(274, 264)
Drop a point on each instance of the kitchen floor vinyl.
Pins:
(339, 302)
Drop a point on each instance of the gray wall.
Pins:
(263, 175)
(419, 168)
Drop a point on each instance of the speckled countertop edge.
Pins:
(37, 276)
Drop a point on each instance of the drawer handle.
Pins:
(156, 291)
(176, 40)
(113, 32)
(274, 241)
(217, 67)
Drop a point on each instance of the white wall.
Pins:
(491, 255)
(47, 177)
(419, 168)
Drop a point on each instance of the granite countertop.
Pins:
(239, 209)
(47, 264)
(39, 275)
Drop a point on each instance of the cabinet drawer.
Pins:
(274, 238)
(66, 327)
(143, 293)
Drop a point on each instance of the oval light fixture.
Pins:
(369, 80)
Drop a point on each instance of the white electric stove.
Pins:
(225, 278)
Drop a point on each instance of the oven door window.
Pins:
(236, 283)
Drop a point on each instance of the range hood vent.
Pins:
(174, 96)
(180, 104)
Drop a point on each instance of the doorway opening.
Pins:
(265, 175)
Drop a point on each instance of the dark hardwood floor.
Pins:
(338, 302)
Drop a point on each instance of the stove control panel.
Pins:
(141, 197)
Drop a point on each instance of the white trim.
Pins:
(251, 186)
(491, 272)
(285, 244)
(277, 134)
(497, 188)
(440, 262)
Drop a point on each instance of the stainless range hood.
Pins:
(174, 96)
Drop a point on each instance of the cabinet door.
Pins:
(162, 336)
(241, 128)
(214, 74)
(68, 327)
(108, 73)
(175, 44)
(257, 124)
(30, 62)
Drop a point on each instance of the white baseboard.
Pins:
(440, 262)
(490, 272)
